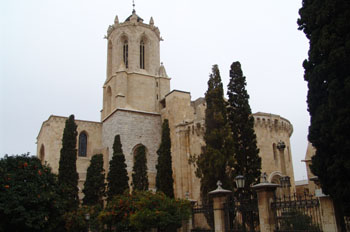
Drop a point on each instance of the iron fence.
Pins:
(241, 215)
(297, 213)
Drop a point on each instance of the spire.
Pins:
(116, 20)
(162, 72)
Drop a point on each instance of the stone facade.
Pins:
(135, 78)
(310, 151)
(134, 128)
(49, 143)
(137, 98)
(273, 139)
(186, 131)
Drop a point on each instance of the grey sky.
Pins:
(53, 58)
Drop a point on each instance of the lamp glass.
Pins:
(240, 181)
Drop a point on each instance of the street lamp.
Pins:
(240, 181)
(87, 218)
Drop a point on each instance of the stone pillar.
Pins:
(219, 196)
(329, 223)
(265, 192)
(189, 224)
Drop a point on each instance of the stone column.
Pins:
(329, 223)
(219, 196)
(190, 221)
(265, 192)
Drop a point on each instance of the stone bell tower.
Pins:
(135, 78)
(136, 82)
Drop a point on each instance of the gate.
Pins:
(241, 215)
(202, 218)
(297, 213)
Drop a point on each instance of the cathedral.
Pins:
(136, 99)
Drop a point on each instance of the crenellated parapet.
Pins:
(133, 20)
(273, 122)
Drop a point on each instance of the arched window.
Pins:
(109, 59)
(82, 144)
(42, 154)
(125, 53)
(142, 54)
(108, 100)
(274, 147)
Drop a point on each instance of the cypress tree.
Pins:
(67, 171)
(246, 153)
(216, 159)
(327, 71)
(164, 178)
(117, 176)
(139, 176)
(94, 186)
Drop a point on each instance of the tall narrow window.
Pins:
(42, 154)
(82, 144)
(274, 147)
(108, 100)
(109, 60)
(126, 53)
(142, 54)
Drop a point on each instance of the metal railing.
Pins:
(297, 213)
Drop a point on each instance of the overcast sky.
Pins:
(53, 58)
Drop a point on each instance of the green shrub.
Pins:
(296, 220)
(145, 210)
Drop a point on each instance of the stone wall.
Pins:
(186, 131)
(310, 152)
(271, 129)
(49, 143)
(134, 128)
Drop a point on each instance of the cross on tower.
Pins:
(133, 6)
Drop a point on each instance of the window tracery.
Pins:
(82, 151)
(142, 54)
(126, 53)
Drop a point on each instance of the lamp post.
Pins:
(240, 184)
(87, 218)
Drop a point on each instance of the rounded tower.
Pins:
(273, 139)
(135, 78)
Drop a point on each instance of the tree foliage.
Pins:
(67, 171)
(216, 159)
(29, 196)
(139, 176)
(94, 186)
(164, 178)
(76, 221)
(327, 71)
(144, 210)
(246, 153)
(117, 176)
